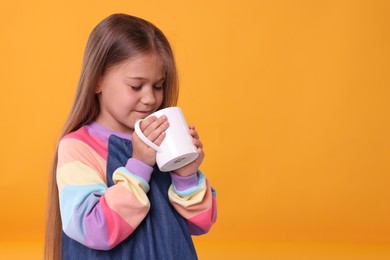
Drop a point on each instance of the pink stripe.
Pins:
(205, 219)
(126, 205)
(118, 229)
(214, 208)
(71, 150)
(195, 209)
(98, 145)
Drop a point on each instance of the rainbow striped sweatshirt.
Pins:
(105, 200)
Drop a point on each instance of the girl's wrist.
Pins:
(184, 172)
(181, 174)
(144, 159)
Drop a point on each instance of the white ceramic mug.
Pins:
(177, 149)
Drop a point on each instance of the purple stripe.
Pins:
(91, 229)
(96, 229)
(104, 133)
(183, 183)
(139, 168)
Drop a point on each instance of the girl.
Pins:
(107, 198)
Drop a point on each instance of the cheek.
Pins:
(160, 97)
(130, 102)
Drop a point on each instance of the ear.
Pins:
(98, 88)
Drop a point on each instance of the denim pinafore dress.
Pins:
(162, 235)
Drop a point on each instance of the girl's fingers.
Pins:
(156, 133)
(193, 132)
(195, 136)
(150, 123)
(159, 139)
(201, 155)
(146, 122)
(153, 127)
(197, 143)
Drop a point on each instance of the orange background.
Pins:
(291, 99)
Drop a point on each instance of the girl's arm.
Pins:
(194, 199)
(93, 214)
(191, 194)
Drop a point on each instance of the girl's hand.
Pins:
(192, 167)
(154, 129)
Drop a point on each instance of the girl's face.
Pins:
(130, 91)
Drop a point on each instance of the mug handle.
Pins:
(141, 135)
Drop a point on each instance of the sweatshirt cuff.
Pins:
(184, 183)
(139, 168)
(187, 186)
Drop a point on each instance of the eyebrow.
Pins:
(142, 78)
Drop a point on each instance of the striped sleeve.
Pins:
(92, 214)
(195, 200)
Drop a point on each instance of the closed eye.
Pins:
(158, 87)
(136, 88)
(159, 84)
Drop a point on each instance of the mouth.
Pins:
(144, 113)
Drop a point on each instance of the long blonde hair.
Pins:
(115, 39)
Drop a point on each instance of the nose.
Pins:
(148, 97)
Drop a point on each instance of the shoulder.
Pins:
(81, 143)
(74, 140)
(80, 134)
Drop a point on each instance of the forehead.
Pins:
(142, 63)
